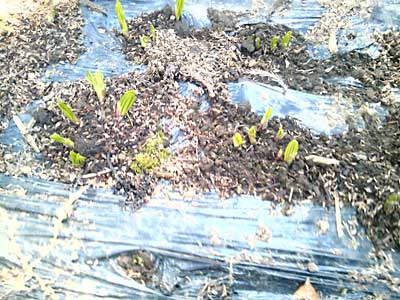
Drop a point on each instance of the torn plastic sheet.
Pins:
(193, 239)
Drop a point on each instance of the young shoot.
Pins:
(51, 14)
(152, 156)
(279, 135)
(291, 151)
(237, 140)
(76, 158)
(286, 39)
(119, 11)
(97, 81)
(67, 111)
(153, 31)
(273, 43)
(126, 102)
(179, 5)
(252, 134)
(257, 42)
(144, 41)
(390, 202)
(267, 116)
(59, 139)
(279, 154)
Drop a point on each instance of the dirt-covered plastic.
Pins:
(194, 239)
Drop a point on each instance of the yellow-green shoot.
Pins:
(252, 132)
(179, 5)
(152, 156)
(237, 140)
(279, 134)
(59, 139)
(273, 43)
(291, 151)
(153, 31)
(4, 28)
(279, 154)
(51, 14)
(286, 39)
(267, 115)
(126, 102)
(76, 158)
(97, 81)
(67, 111)
(257, 42)
(121, 17)
(390, 202)
(144, 41)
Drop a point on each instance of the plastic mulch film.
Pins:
(68, 243)
(56, 241)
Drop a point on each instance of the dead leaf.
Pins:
(306, 292)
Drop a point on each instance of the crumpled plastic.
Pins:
(56, 240)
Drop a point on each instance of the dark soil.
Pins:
(368, 167)
(149, 270)
(33, 45)
(139, 265)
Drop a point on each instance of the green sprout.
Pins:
(152, 31)
(67, 111)
(97, 81)
(257, 42)
(152, 156)
(121, 17)
(237, 140)
(252, 134)
(144, 41)
(390, 202)
(5, 28)
(267, 116)
(179, 4)
(51, 14)
(279, 134)
(273, 43)
(286, 39)
(76, 158)
(58, 138)
(291, 151)
(126, 102)
(144, 162)
(279, 154)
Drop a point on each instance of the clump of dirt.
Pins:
(215, 289)
(34, 43)
(148, 269)
(139, 265)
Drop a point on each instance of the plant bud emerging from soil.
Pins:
(237, 140)
(252, 134)
(291, 151)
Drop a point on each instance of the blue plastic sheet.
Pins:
(201, 233)
(193, 240)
